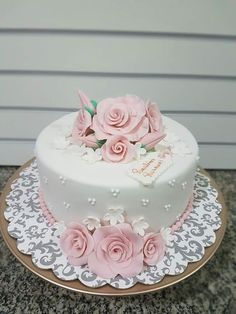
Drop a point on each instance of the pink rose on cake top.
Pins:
(116, 124)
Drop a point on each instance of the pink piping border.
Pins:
(46, 212)
(174, 227)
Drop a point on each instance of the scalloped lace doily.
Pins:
(36, 237)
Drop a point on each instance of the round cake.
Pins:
(117, 163)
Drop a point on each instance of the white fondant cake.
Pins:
(118, 178)
(74, 189)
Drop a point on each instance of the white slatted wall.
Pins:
(180, 53)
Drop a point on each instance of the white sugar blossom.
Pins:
(139, 150)
(76, 149)
(92, 223)
(139, 225)
(114, 216)
(61, 143)
(180, 149)
(162, 149)
(166, 234)
(60, 227)
(91, 155)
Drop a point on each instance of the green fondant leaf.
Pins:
(101, 142)
(90, 111)
(94, 103)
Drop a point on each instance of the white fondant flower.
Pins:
(60, 227)
(92, 155)
(114, 216)
(166, 234)
(92, 223)
(139, 225)
(180, 149)
(61, 143)
(139, 150)
(79, 150)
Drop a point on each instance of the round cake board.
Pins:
(107, 290)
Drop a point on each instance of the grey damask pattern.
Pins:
(36, 237)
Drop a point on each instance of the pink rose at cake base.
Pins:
(119, 177)
(111, 250)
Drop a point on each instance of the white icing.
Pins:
(96, 179)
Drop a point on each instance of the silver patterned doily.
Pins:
(36, 237)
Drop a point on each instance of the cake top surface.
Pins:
(56, 152)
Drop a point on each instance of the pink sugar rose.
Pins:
(117, 250)
(154, 248)
(121, 116)
(154, 117)
(151, 139)
(83, 122)
(81, 125)
(89, 140)
(77, 243)
(85, 101)
(118, 149)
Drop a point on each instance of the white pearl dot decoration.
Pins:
(45, 179)
(172, 183)
(184, 184)
(167, 207)
(67, 205)
(115, 192)
(92, 201)
(145, 202)
(62, 180)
